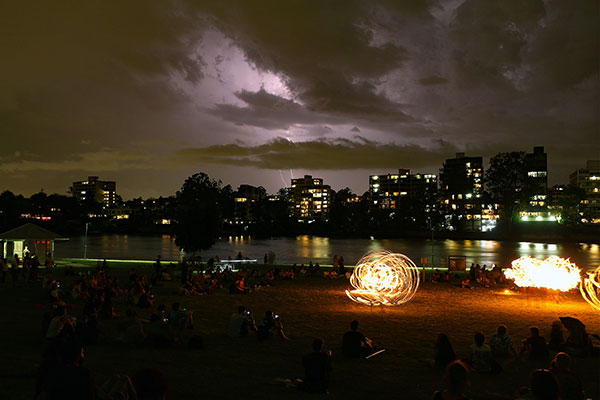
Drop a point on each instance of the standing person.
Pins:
(335, 262)
(265, 259)
(342, 271)
(317, 368)
(14, 270)
(157, 266)
(472, 273)
(4, 266)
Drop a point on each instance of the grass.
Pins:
(309, 308)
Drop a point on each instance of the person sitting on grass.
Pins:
(180, 317)
(542, 386)
(241, 323)
(239, 286)
(270, 323)
(69, 380)
(569, 383)
(150, 384)
(481, 354)
(502, 344)
(457, 382)
(61, 325)
(317, 368)
(557, 339)
(354, 343)
(444, 353)
(535, 347)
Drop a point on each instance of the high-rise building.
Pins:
(309, 199)
(388, 191)
(588, 179)
(246, 199)
(104, 192)
(461, 188)
(535, 206)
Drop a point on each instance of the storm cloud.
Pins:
(148, 92)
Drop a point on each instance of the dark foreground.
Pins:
(309, 307)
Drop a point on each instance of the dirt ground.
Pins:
(309, 307)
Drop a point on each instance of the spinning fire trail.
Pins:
(384, 278)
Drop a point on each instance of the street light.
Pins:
(85, 242)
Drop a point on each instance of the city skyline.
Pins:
(277, 91)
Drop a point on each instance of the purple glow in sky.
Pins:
(149, 92)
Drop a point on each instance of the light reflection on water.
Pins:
(304, 248)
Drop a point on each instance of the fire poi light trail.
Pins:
(384, 278)
(590, 288)
(552, 273)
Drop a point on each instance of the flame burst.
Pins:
(552, 273)
(384, 278)
(590, 288)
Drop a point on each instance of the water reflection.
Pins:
(304, 248)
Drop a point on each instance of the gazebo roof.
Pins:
(30, 231)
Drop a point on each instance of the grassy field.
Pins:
(309, 307)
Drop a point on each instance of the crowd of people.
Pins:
(550, 379)
(100, 321)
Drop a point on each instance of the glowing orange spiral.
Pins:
(384, 278)
(590, 288)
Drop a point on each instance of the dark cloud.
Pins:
(322, 154)
(119, 87)
(432, 80)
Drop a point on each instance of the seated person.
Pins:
(269, 323)
(501, 344)
(542, 386)
(61, 324)
(181, 317)
(354, 343)
(444, 353)
(457, 382)
(241, 323)
(150, 384)
(535, 348)
(557, 339)
(69, 380)
(481, 354)
(570, 385)
(317, 369)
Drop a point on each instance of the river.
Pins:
(303, 249)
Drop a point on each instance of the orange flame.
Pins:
(590, 288)
(384, 278)
(552, 273)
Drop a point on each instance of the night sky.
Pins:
(149, 92)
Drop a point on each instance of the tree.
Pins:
(198, 213)
(506, 180)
